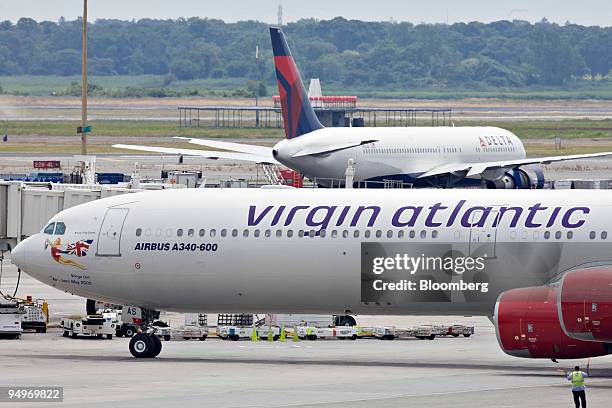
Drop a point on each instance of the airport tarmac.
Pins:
(446, 372)
(150, 166)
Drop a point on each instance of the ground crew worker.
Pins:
(578, 388)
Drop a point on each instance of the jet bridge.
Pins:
(26, 207)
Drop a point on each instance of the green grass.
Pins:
(571, 130)
(131, 128)
(567, 129)
(53, 84)
(548, 129)
(50, 84)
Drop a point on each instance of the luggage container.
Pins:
(236, 333)
(291, 320)
(313, 333)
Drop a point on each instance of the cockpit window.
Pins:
(49, 229)
(60, 228)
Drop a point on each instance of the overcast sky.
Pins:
(586, 12)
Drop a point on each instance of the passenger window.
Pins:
(179, 232)
(434, 234)
(60, 228)
(423, 234)
(49, 229)
(389, 234)
(289, 233)
(267, 233)
(234, 233)
(245, 233)
(223, 232)
(558, 235)
(412, 234)
(279, 233)
(356, 233)
(378, 233)
(570, 234)
(190, 232)
(345, 234)
(322, 233)
(334, 234)
(212, 233)
(546, 234)
(367, 233)
(604, 235)
(256, 233)
(201, 233)
(301, 233)
(592, 234)
(138, 232)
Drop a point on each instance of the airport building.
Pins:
(332, 111)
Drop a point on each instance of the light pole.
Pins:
(257, 86)
(84, 129)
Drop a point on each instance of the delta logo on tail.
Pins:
(297, 112)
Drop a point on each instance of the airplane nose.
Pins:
(18, 254)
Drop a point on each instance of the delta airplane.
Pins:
(537, 263)
(422, 156)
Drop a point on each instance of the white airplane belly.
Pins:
(240, 276)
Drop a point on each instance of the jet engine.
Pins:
(518, 178)
(585, 304)
(527, 325)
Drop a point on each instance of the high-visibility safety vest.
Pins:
(577, 379)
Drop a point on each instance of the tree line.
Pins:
(350, 53)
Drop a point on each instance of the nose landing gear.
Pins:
(145, 345)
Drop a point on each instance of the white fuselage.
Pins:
(407, 151)
(262, 250)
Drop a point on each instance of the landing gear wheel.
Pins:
(158, 346)
(109, 336)
(145, 346)
(128, 332)
(467, 335)
(167, 337)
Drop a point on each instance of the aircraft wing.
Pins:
(209, 154)
(477, 168)
(308, 151)
(235, 147)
